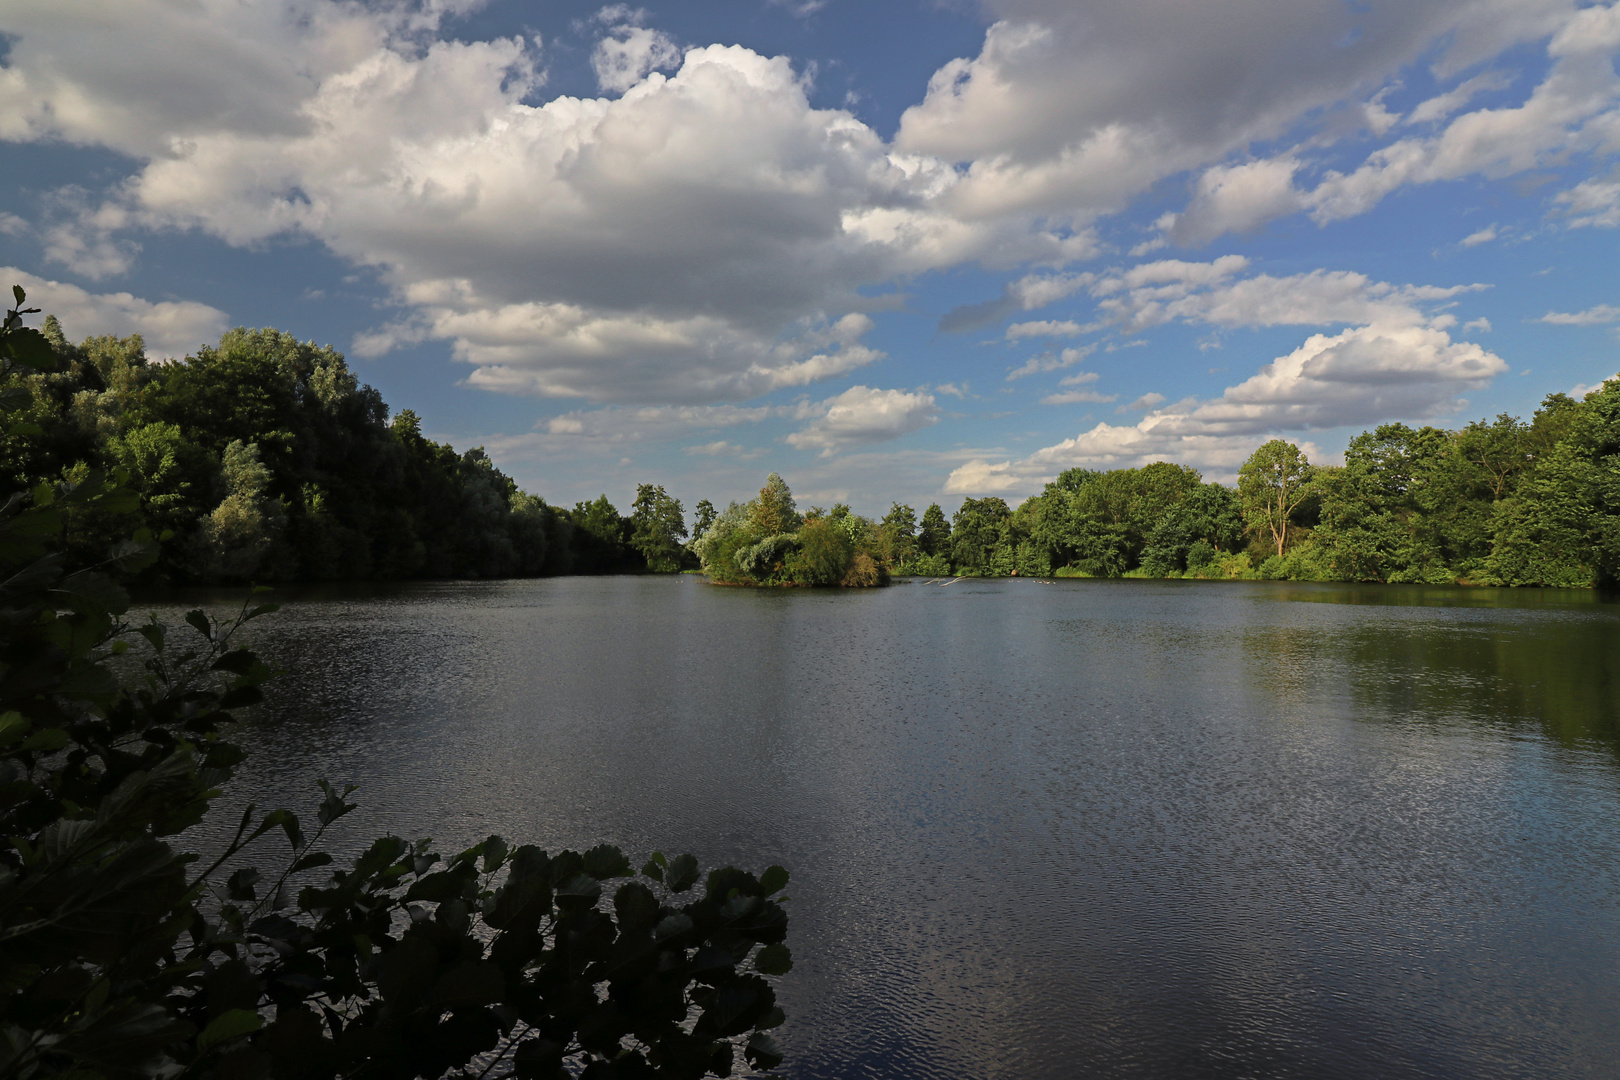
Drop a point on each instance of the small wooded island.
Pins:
(767, 542)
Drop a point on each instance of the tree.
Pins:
(934, 535)
(237, 537)
(172, 474)
(702, 518)
(822, 555)
(1562, 527)
(1273, 483)
(897, 536)
(1208, 516)
(1500, 451)
(600, 537)
(977, 528)
(657, 528)
(774, 511)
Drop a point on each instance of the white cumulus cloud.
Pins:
(629, 53)
(1237, 199)
(863, 415)
(687, 240)
(1568, 112)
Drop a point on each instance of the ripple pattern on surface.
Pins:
(1095, 829)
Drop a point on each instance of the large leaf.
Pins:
(26, 346)
(231, 1024)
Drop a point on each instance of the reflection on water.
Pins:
(1112, 829)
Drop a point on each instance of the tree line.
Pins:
(1497, 502)
(264, 458)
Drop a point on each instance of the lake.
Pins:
(1080, 829)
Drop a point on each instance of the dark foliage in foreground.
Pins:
(121, 956)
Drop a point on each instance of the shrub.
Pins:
(928, 566)
(824, 556)
(864, 573)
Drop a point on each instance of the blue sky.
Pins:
(909, 251)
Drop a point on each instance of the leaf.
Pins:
(762, 1051)
(154, 633)
(683, 873)
(199, 622)
(606, 861)
(494, 854)
(228, 1025)
(333, 807)
(732, 1009)
(133, 555)
(48, 741)
(711, 957)
(582, 889)
(309, 862)
(12, 727)
(436, 887)
(237, 661)
(31, 348)
(289, 825)
(773, 880)
(91, 591)
(774, 960)
(240, 885)
(61, 836)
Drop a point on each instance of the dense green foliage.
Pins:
(266, 459)
(121, 958)
(1498, 502)
(766, 541)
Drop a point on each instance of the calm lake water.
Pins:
(1086, 829)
